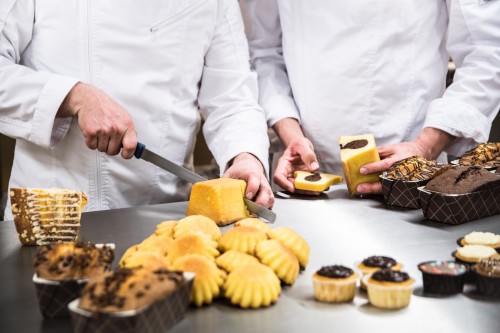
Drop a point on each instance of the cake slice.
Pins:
(219, 199)
(315, 182)
(356, 151)
(44, 216)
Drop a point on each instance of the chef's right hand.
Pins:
(105, 125)
(299, 155)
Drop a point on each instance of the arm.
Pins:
(235, 126)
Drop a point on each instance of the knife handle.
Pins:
(139, 149)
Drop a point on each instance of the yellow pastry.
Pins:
(389, 289)
(474, 253)
(293, 241)
(315, 182)
(242, 239)
(253, 222)
(156, 243)
(128, 253)
(197, 223)
(356, 151)
(220, 199)
(231, 259)
(335, 284)
(208, 278)
(193, 243)
(252, 285)
(280, 259)
(152, 260)
(166, 228)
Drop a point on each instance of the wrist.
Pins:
(433, 141)
(289, 131)
(71, 104)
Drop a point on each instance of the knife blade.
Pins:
(141, 152)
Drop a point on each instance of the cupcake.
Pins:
(242, 239)
(294, 242)
(280, 259)
(443, 277)
(334, 284)
(488, 277)
(389, 289)
(375, 263)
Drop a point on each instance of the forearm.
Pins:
(433, 141)
(288, 130)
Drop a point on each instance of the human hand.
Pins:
(105, 125)
(299, 155)
(247, 167)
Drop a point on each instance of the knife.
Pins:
(141, 152)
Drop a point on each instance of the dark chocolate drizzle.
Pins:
(335, 271)
(379, 262)
(356, 144)
(388, 275)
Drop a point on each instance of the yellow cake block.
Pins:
(356, 151)
(315, 182)
(219, 199)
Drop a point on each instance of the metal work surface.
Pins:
(338, 229)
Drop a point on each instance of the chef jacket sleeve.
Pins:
(471, 102)
(29, 100)
(266, 51)
(234, 121)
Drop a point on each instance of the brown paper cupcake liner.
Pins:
(157, 317)
(459, 208)
(401, 193)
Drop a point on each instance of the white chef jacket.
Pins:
(160, 60)
(354, 67)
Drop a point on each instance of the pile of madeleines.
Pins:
(246, 264)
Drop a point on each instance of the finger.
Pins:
(129, 142)
(265, 196)
(281, 176)
(377, 167)
(102, 143)
(114, 145)
(91, 142)
(385, 150)
(253, 184)
(308, 157)
(367, 188)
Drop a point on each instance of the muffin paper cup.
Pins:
(443, 284)
(54, 296)
(156, 317)
(388, 297)
(401, 193)
(487, 285)
(459, 208)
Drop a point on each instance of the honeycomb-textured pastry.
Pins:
(166, 228)
(208, 278)
(253, 222)
(219, 199)
(156, 243)
(231, 259)
(128, 289)
(481, 238)
(193, 243)
(294, 242)
(197, 223)
(356, 151)
(474, 253)
(280, 259)
(72, 261)
(44, 216)
(486, 154)
(153, 260)
(252, 285)
(315, 182)
(462, 180)
(413, 168)
(242, 239)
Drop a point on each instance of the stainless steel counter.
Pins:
(339, 231)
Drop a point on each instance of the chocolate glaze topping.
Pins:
(388, 275)
(315, 177)
(335, 271)
(379, 261)
(356, 144)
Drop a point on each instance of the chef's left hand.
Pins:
(429, 144)
(247, 167)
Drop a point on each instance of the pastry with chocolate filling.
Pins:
(294, 242)
(280, 259)
(486, 154)
(72, 261)
(355, 152)
(462, 180)
(334, 284)
(242, 239)
(231, 259)
(389, 289)
(375, 263)
(314, 182)
(488, 277)
(128, 289)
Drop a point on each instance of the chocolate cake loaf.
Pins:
(461, 180)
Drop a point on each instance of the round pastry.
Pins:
(156, 243)
(197, 223)
(294, 242)
(208, 278)
(389, 289)
(128, 253)
(72, 261)
(231, 259)
(242, 239)
(335, 284)
(443, 277)
(480, 238)
(253, 222)
(166, 228)
(375, 263)
(153, 260)
(280, 259)
(488, 277)
(474, 253)
(193, 243)
(252, 285)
